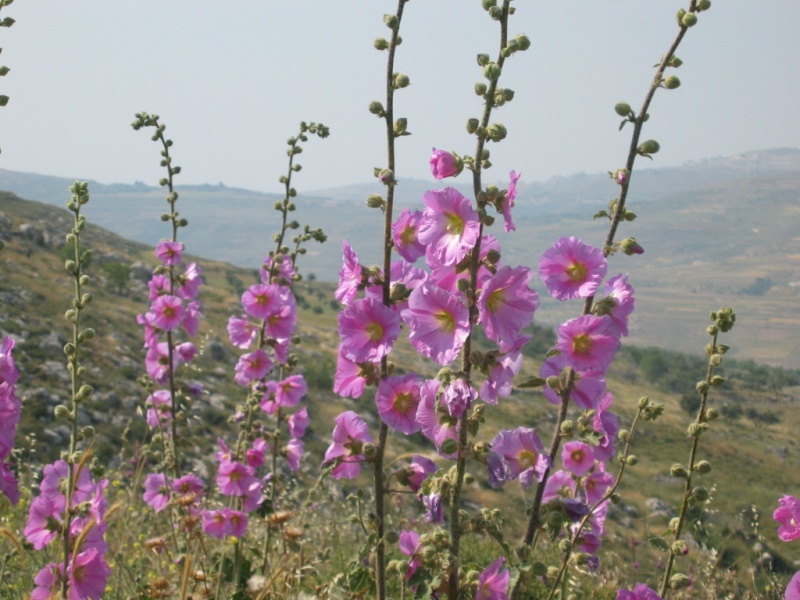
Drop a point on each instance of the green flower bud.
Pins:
(632, 460)
(679, 548)
(644, 401)
(380, 44)
(715, 360)
(472, 125)
(672, 82)
(487, 4)
(496, 132)
(491, 71)
(376, 108)
(564, 545)
(483, 59)
(712, 413)
(679, 471)
(700, 494)
(87, 432)
(648, 147)
(469, 478)
(369, 450)
(703, 467)
(507, 94)
(679, 581)
(449, 446)
(480, 89)
(696, 429)
(523, 42)
(401, 81)
(552, 572)
(567, 427)
(702, 5)
(675, 62)
(702, 387)
(689, 20)
(623, 434)
(623, 109)
(61, 412)
(392, 22)
(717, 380)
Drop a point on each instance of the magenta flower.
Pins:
(189, 282)
(349, 436)
(524, 454)
(241, 331)
(298, 423)
(44, 520)
(158, 285)
(185, 352)
(434, 510)
(252, 367)
(409, 545)
(156, 362)
(48, 582)
(437, 424)
(458, 397)
(54, 482)
(571, 269)
(444, 164)
(449, 226)
(586, 391)
(607, 424)
(169, 253)
(788, 515)
(9, 486)
(560, 484)
(281, 324)
(588, 343)
(289, 391)
(8, 370)
(262, 300)
(448, 276)
(225, 522)
(508, 203)
(277, 268)
(793, 589)
(350, 378)
(368, 330)
(501, 370)
(493, 583)
(577, 458)
(405, 232)
(167, 312)
(506, 305)
(189, 484)
(419, 469)
(156, 491)
(639, 592)
(159, 408)
(596, 485)
(235, 479)
(191, 318)
(88, 574)
(254, 457)
(438, 323)
(397, 399)
(349, 275)
(293, 453)
(619, 302)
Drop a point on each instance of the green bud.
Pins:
(567, 427)
(703, 467)
(702, 5)
(369, 450)
(696, 429)
(480, 90)
(4, 100)
(648, 147)
(623, 109)
(487, 4)
(564, 545)
(679, 548)
(62, 412)
(472, 125)
(715, 360)
(689, 20)
(632, 460)
(644, 401)
(672, 82)
(381, 44)
(4, 71)
(712, 413)
(523, 42)
(449, 446)
(679, 471)
(401, 127)
(376, 108)
(674, 62)
(483, 59)
(717, 380)
(538, 569)
(491, 71)
(469, 478)
(552, 572)
(623, 435)
(700, 494)
(401, 81)
(392, 22)
(702, 387)
(679, 581)
(496, 132)
(87, 432)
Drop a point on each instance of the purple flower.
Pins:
(405, 232)
(224, 522)
(262, 300)
(189, 282)
(349, 275)
(88, 574)
(458, 397)
(409, 545)
(788, 515)
(235, 479)
(618, 303)
(587, 388)
(298, 423)
(524, 454)
(596, 485)
(437, 424)
(588, 343)
(349, 436)
(289, 391)
(559, 485)
(169, 253)
(434, 511)
(350, 378)
(449, 226)
(44, 520)
(156, 491)
(444, 164)
(577, 458)
(493, 583)
(793, 589)
(508, 202)
(640, 592)
(571, 269)
(438, 322)
(397, 400)
(293, 452)
(606, 423)
(368, 330)
(501, 370)
(241, 331)
(159, 408)
(418, 471)
(252, 367)
(167, 312)
(506, 305)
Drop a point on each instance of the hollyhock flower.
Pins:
(418, 471)
(444, 164)
(449, 227)
(587, 388)
(289, 391)
(501, 370)
(241, 331)
(437, 425)
(48, 582)
(524, 454)
(156, 491)
(235, 479)
(368, 330)
(506, 305)
(185, 352)
(191, 318)
(8, 370)
(293, 453)
(409, 545)
(156, 362)
(350, 378)
(434, 511)
(298, 423)
(224, 522)
(493, 583)
(150, 331)
(44, 520)
(596, 485)
(498, 470)
(577, 457)
(639, 592)
(508, 202)
(404, 234)
(793, 589)
(571, 269)
(159, 408)
(397, 400)
(788, 515)
(189, 484)
(277, 268)
(588, 343)
(607, 424)
(349, 436)
(169, 253)
(560, 484)
(158, 285)
(9, 486)
(54, 482)
(447, 276)
(403, 274)
(458, 397)
(255, 455)
(281, 324)
(349, 275)
(438, 323)
(88, 573)
(224, 454)
(189, 282)
(252, 367)
(619, 303)
(262, 300)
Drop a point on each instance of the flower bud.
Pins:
(679, 548)
(623, 109)
(672, 82)
(715, 360)
(449, 446)
(679, 581)
(632, 460)
(496, 132)
(702, 387)
(523, 42)
(472, 125)
(391, 537)
(696, 429)
(623, 434)
(700, 494)
(567, 427)
(491, 71)
(674, 62)
(401, 81)
(703, 467)
(702, 5)
(679, 471)
(61, 412)
(392, 22)
(689, 20)
(369, 450)
(483, 59)
(538, 569)
(630, 246)
(648, 147)
(487, 4)
(380, 44)
(469, 478)
(644, 401)
(376, 108)
(375, 201)
(712, 413)
(717, 380)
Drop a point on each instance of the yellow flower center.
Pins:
(582, 344)
(495, 299)
(403, 402)
(375, 331)
(408, 236)
(446, 321)
(527, 459)
(576, 271)
(455, 224)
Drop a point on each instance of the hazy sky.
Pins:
(233, 79)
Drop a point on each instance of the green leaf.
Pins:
(658, 543)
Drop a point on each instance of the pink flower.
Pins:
(524, 454)
(448, 276)
(788, 515)
(506, 305)
(444, 164)
(618, 303)
(289, 391)
(349, 436)
(298, 423)
(156, 362)
(234, 478)
(368, 330)
(640, 592)
(587, 389)
(493, 583)
(405, 231)
(169, 253)
(349, 275)
(409, 545)
(449, 226)
(559, 485)
(571, 269)
(88, 574)
(156, 491)
(793, 589)
(418, 471)
(8, 370)
(458, 397)
(252, 367)
(241, 331)
(158, 285)
(278, 269)
(588, 343)
(434, 510)
(596, 485)
(262, 300)
(350, 378)
(577, 458)
(501, 370)
(167, 312)
(191, 318)
(293, 453)
(224, 522)
(9, 486)
(397, 399)
(607, 424)
(189, 484)
(254, 457)
(189, 282)
(437, 424)
(44, 520)
(508, 202)
(159, 408)
(438, 323)
(280, 325)
(48, 582)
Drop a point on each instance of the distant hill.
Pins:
(720, 231)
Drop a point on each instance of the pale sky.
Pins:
(233, 79)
